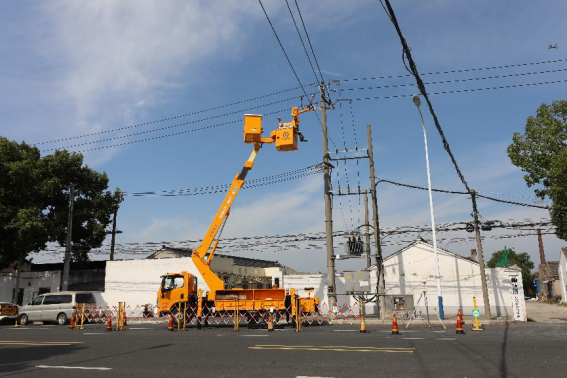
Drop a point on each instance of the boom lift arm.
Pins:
(285, 138)
(200, 258)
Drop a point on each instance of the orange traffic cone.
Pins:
(72, 323)
(170, 324)
(395, 329)
(459, 327)
(109, 324)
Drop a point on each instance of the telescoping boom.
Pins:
(181, 288)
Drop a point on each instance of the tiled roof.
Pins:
(237, 260)
(553, 269)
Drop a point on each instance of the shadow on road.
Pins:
(17, 358)
(26, 361)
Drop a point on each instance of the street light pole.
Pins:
(417, 103)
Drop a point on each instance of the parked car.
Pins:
(54, 307)
(8, 312)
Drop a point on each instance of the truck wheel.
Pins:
(23, 320)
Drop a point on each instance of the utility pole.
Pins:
(487, 312)
(16, 297)
(543, 268)
(367, 224)
(331, 287)
(380, 285)
(65, 279)
(114, 232)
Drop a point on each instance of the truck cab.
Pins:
(176, 288)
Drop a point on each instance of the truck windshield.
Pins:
(172, 282)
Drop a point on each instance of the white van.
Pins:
(54, 307)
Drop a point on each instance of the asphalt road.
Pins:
(519, 350)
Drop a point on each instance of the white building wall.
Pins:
(406, 272)
(30, 282)
(136, 282)
(563, 275)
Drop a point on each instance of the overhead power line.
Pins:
(174, 134)
(309, 40)
(240, 111)
(455, 80)
(175, 117)
(458, 70)
(302, 43)
(460, 90)
(281, 45)
(269, 180)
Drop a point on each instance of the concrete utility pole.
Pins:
(381, 285)
(487, 312)
(331, 288)
(543, 269)
(114, 232)
(367, 224)
(417, 103)
(16, 296)
(65, 279)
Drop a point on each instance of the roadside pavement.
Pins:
(545, 312)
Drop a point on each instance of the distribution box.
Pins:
(286, 139)
(357, 281)
(252, 128)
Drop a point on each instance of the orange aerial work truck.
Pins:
(179, 294)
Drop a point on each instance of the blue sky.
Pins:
(75, 68)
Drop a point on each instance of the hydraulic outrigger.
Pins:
(179, 290)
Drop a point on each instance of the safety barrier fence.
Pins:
(189, 315)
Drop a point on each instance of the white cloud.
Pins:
(106, 62)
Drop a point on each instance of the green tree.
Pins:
(22, 221)
(522, 260)
(93, 203)
(541, 152)
(34, 200)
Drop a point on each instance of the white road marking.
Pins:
(254, 335)
(439, 331)
(140, 328)
(447, 338)
(413, 338)
(72, 367)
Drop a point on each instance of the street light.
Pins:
(417, 102)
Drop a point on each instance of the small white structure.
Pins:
(563, 273)
(412, 269)
(31, 284)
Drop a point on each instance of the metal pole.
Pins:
(328, 204)
(417, 103)
(487, 311)
(16, 298)
(380, 285)
(65, 279)
(113, 240)
(366, 223)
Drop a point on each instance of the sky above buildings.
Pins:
(152, 93)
